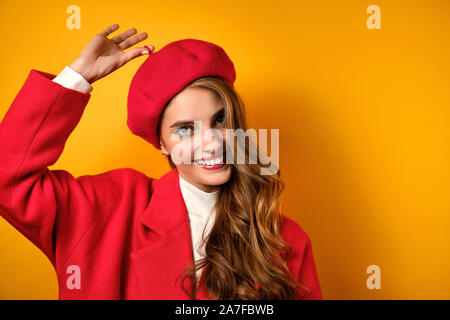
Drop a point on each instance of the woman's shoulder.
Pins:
(293, 233)
(299, 242)
(117, 182)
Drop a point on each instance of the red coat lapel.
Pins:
(166, 245)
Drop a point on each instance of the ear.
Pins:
(163, 149)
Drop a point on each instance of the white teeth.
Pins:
(209, 162)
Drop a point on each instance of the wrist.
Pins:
(80, 67)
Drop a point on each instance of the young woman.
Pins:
(208, 229)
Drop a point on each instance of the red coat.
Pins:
(118, 234)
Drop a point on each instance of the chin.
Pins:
(213, 177)
(209, 177)
(206, 177)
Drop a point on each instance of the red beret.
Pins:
(164, 74)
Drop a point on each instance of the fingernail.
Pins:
(144, 52)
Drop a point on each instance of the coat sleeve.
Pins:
(49, 207)
(308, 275)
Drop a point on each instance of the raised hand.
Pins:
(102, 55)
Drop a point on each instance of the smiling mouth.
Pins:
(211, 162)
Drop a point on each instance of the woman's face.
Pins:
(177, 132)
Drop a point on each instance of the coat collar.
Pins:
(166, 209)
(160, 262)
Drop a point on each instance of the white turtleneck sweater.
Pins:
(199, 204)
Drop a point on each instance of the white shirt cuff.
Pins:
(71, 79)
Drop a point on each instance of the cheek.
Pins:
(181, 150)
(224, 138)
(224, 135)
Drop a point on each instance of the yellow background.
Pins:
(363, 118)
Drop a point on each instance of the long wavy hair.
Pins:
(244, 248)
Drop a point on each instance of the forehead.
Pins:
(192, 104)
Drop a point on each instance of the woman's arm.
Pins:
(44, 204)
(71, 79)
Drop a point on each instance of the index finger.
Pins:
(110, 29)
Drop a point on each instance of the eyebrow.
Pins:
(183, 123)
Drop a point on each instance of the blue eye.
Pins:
(220, 119)
(183, 131)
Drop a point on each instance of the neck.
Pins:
(203, 187)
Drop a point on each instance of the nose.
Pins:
(212, 141)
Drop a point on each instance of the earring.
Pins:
(164, 155)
